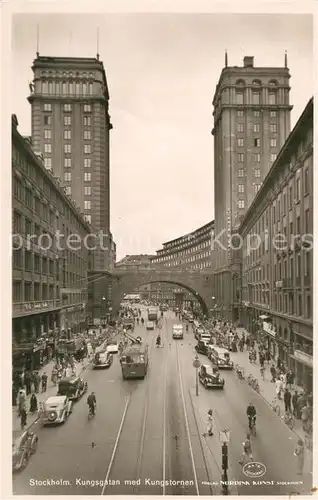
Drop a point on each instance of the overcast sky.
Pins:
(162, 70)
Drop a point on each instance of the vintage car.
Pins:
(112, 347)
(56, 410)
(102, 359)
(22, 449)
(150, 325)
(210, 377)
(72, 387)
(202, 347)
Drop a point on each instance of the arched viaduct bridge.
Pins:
(200, 284)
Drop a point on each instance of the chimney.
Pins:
(248, 62)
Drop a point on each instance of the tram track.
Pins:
(117, 443)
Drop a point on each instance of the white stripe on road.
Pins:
(115, 445)
(187, 426)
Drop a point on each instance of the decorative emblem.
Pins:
(254, 469)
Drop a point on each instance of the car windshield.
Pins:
(134, 358)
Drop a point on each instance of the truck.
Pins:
(153, 314)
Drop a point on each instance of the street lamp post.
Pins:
(224, 438)
(196, 364)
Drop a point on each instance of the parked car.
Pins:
(56, 410)
(73, 387)
(22, 449)
(150, 325)
(202, 347)
(210, 377)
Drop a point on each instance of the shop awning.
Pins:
(263, 316)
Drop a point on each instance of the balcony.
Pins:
(36, 307)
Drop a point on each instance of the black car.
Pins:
(72, 387)
(210, 377)
(202, 347)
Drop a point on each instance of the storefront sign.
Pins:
(304, 358)
(35, 305)
(267, 327)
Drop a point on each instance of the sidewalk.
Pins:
(41, 396)
(268, 392)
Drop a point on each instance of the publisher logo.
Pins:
(254, 469)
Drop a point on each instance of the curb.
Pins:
(39, 417)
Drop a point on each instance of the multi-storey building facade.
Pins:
(251, 124)
(191, 251)
(49, 269)
(277, 276)
(70, 127)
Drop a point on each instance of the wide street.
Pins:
(150, 430)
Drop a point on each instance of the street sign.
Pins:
(224, 436)
(196, 363)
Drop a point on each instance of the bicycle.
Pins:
(275, 406)
(289, 420)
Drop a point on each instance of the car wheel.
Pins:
(205, 384)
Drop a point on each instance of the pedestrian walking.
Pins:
(273, 373)
(268, 356)
(36, 381)
(27, 382)
(279, 388)
(21, 401)
(44, 381)
(295, 405)
(287, 401)
(299, 453)
(262, 370)
(210, 423)
(247, 455)
(33, 404)
(23, 416)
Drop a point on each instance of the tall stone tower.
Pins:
(251, 123)
(70, 127)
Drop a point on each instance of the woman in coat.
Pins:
(33, 404)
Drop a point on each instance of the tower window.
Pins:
(87, 135)
(241, 203)
(87, 162)
(87, 108)
(272, 98)
(67, 107)
(240, 157)
(48, 162)
(67, 162)
(68, 190)
(256, 114)
(47, 134)
(256, 127)
(273, 157)
(67, 176)
(47, 148)
(239, 98)
(273, 143)
(87, 149)
(240, 127)
(87, 176)
(273, 127)
(87, 204)
(47, 106)
(256, 157)
(67, 148)
(257, 172)
(67, 120)
(273, 114)
(240, 142)
(87, 121)
(256, 98)
(67, 134)
(241, 188)
(241, 172)
(240, 113)
(87, 190)
(48, 120)
(257, 143)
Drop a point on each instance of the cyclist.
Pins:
(91, 401)
(158, 341)
(251, 415)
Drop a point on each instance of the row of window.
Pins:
(285, 303)
(257, 114)
(256, 172)
(47, 119)
(256, 142)
(200, 246)
(256, 98)
(67, 107)
(67, 135)
(57, 88)
(67, 148)
(256, 128)
(256, 157)
(40, 292)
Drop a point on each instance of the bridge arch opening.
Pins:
(193, 292)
